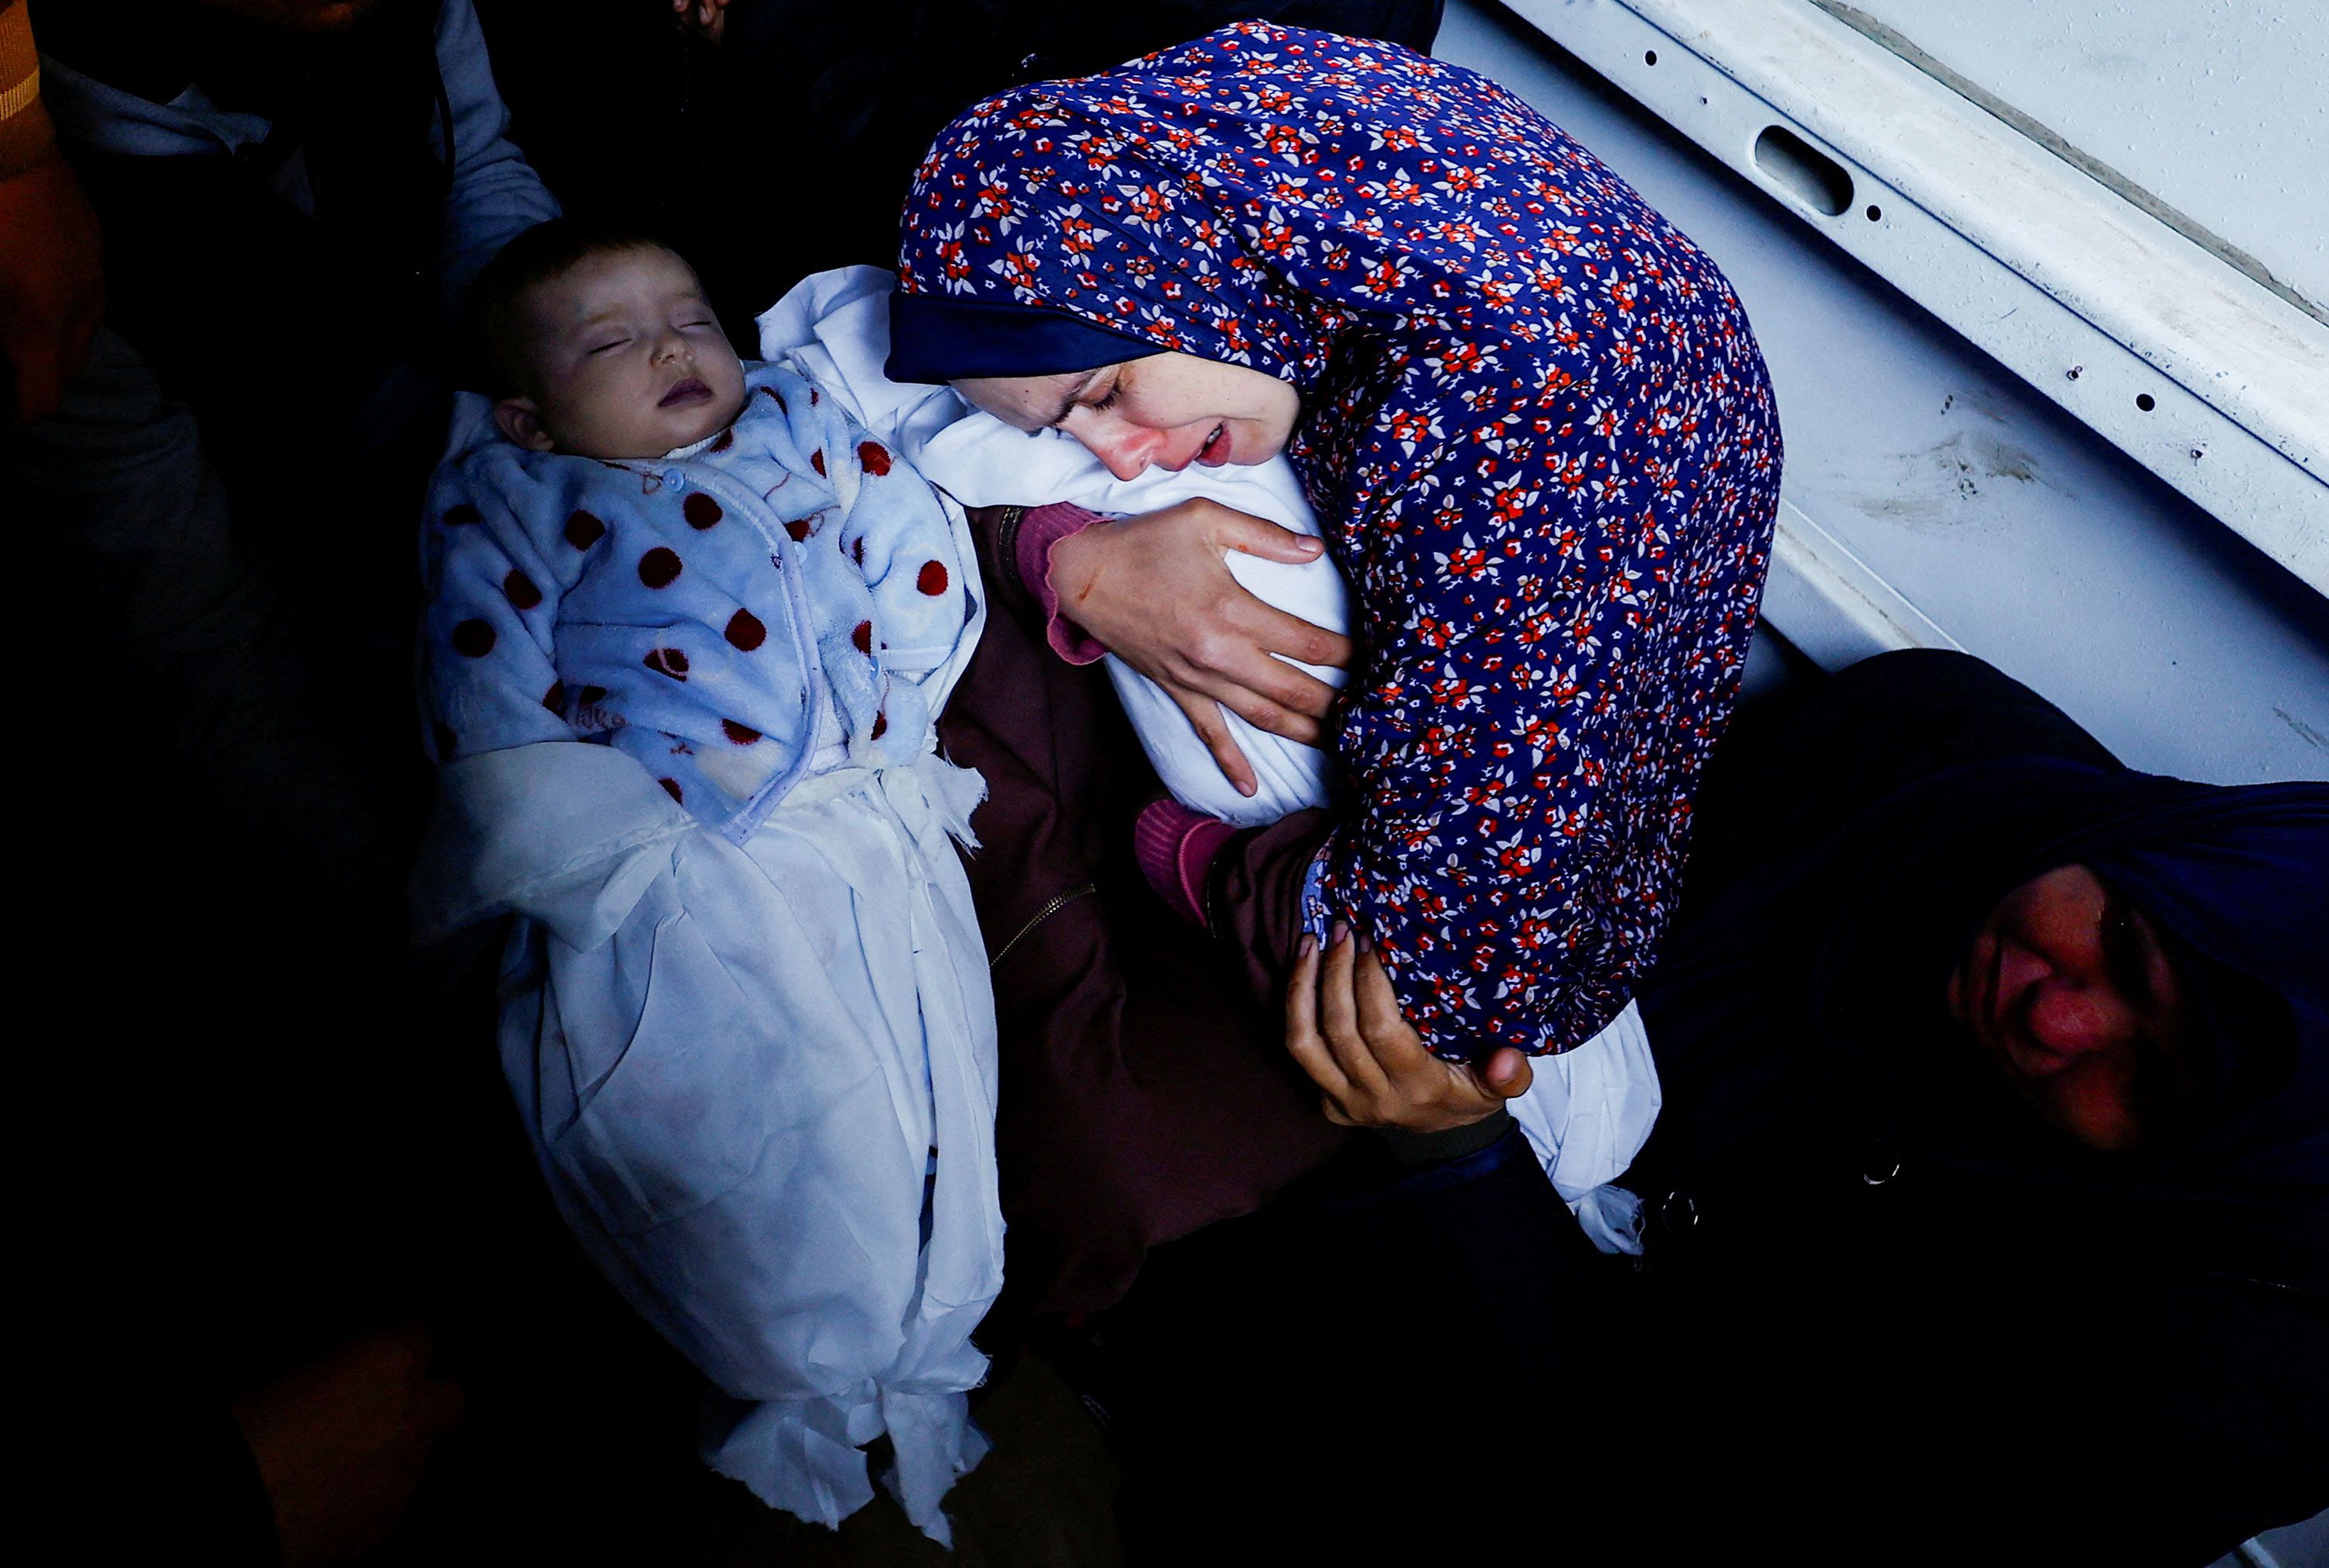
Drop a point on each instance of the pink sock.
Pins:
(1175, 848)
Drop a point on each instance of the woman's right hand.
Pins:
(1344, 1029)
(1155, 591)
(707, 19)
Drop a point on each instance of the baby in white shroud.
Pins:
(687, 633)
(1590, 1109)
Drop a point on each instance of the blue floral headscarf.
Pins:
(1536, 427)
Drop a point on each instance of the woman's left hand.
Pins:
(1157, 591)
(707, 19)
(1344, 1026)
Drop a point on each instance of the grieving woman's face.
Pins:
(2067, 988)
(1167, 410)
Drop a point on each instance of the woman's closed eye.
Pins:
(1099, 404)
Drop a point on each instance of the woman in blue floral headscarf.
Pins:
(1535, 426)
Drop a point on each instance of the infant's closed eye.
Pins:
(604, 347)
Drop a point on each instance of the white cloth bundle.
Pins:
(747, 1019)
(1590, 1109)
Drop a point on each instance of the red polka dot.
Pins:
(873, 458)
(857, 549)
(817, 458)
(932, 579)
(770, 393)
(881, 725)
(812, 403)
(593, 695)
(671, 788)
(447, 743)
(457, 516)
(745, 631)
(738, 733)
(797, 528)
(583, 530)
(519, 589)
(863, 636)
(701, 510)
(725, 439)
(555, 697)
(659, 567)
(669, 661)
(475, 638)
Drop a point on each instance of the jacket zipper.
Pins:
(1058, 902)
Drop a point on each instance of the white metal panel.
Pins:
(2203, 375)
(1957, 498)
(1835, 610)
(2213, 107)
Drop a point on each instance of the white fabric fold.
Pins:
(598, 830)
(739, 1064)
(1589, 1109)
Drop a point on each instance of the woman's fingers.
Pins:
(1433, 1093)
(1256, 709)
(1251, 535)
(1235, 666)
(1303, 1041)
(1338, 1019)
(1337, 1007)
(1421, 1093)
(1155, 591)
(1505, 1074)
(1261, 633)
(1386, 1028)
(1283, 633)
(1204, 716)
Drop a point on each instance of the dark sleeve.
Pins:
(1253, 897)
(1964, 1405)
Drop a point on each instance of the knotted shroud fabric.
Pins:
(683, 712)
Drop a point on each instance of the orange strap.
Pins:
(20, 65)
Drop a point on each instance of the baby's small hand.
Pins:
(707, 19)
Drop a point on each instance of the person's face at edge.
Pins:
(1165, 411)
(2068, 988)
(624, 358)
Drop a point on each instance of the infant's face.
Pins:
(625, 360)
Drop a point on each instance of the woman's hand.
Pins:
(1155, 591)
(1344, 1026)
(707, 19)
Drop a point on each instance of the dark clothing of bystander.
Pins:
(1879, 1301)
